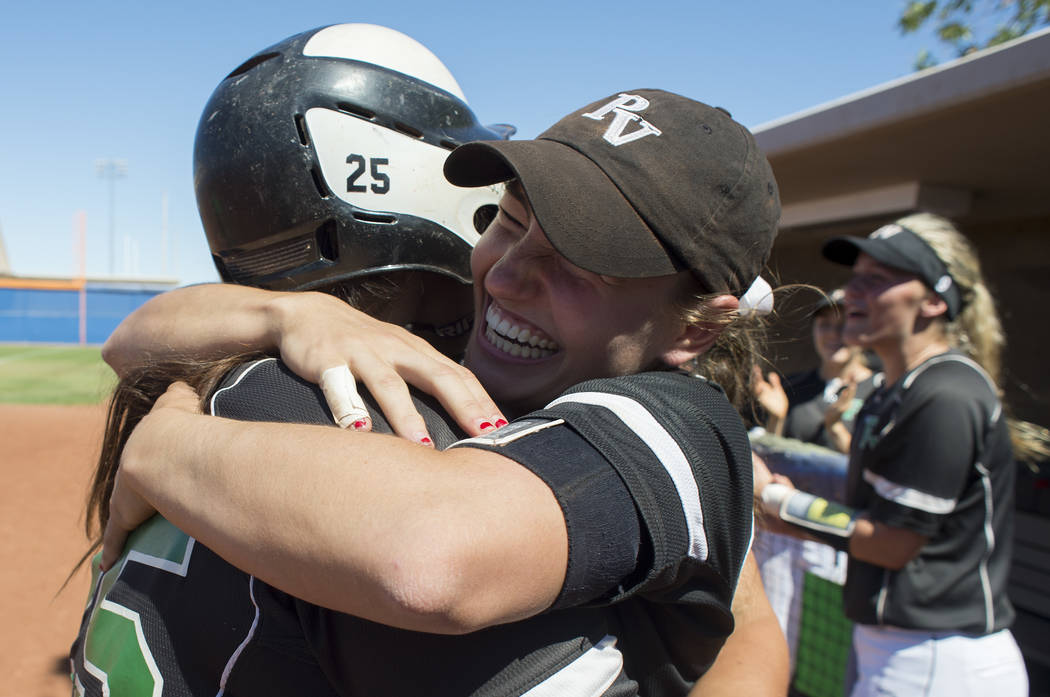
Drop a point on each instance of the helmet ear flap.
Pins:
(314, 163)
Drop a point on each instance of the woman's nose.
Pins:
(513, 275)
(852, 289)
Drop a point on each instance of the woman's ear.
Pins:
(932, 306)
(696, 338)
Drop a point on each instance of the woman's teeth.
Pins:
(517, 341)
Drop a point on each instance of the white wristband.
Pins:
(773, 496)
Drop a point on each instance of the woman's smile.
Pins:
(514, 337)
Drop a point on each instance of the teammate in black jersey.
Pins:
(646, 391)
(929, 527)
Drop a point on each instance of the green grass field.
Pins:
(38, 374)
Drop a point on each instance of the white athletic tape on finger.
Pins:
(340, 391)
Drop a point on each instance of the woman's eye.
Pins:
(508, 220)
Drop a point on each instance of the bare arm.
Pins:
(884, 545)
(313, 332)
(754, 660)
(870, 541)
(445, 542)
(203, 321)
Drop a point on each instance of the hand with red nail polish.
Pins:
(313, 332)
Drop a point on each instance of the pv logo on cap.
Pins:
(622, 109)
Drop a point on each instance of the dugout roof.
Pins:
(967, 139)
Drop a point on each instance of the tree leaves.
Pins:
(969, 25)
(915, 15)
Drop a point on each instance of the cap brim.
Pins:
(581, 211)
(845, 250)
(841, 250)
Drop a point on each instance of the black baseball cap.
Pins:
(900, 248)
(642, 183)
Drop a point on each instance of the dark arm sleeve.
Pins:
(661, 451)
(603, 526)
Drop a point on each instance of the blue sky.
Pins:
(83, 81)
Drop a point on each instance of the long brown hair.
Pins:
(135, 394)
(132, 398)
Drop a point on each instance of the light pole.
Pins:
(111, 171)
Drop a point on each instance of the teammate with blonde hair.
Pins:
(929, 517)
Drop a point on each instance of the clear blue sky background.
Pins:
(127, 80)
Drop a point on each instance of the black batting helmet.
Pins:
(320, 159)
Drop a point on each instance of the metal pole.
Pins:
(164, 233)
(111, 170)
(81, 262)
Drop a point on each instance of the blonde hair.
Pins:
(976, 330)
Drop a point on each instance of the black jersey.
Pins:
(645, 611)
(932, 454)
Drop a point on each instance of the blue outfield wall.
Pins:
(53, 315)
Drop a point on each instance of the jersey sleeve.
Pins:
(923, 461)
(659, 461)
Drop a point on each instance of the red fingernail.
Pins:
(358, 425)
(426, 441)
(485, 425)
(500, 423)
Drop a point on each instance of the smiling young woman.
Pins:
(929, 518)
(623, 501)
(529, 292)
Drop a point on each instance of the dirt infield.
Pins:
(47, 454)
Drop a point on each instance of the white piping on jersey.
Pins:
(989, 539)
(905, 496)
(179, 569)
(642, 423)
(946, 357)
(228, 669)
(982, 568)
(590, 675)
(880, 604)
(986, 485)
(247, 639)
(251, 366)
(90, 667)
(747, 551)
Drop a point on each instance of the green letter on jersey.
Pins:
(115, 649)
(116, 646)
